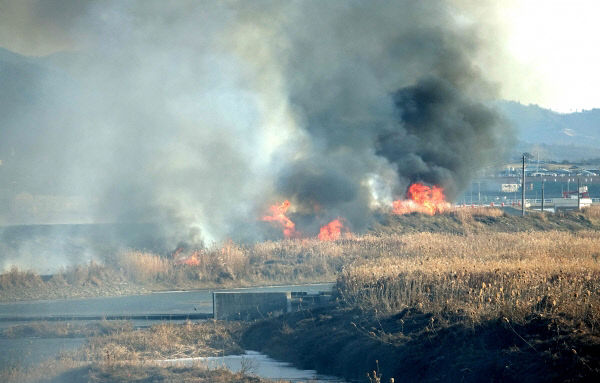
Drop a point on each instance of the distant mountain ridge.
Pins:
(558, 136)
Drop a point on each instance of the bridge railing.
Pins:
(517, 203)
(539, 201)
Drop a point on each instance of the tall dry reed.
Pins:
(483, 275)
(142, 267)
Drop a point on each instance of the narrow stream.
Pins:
(260, 365)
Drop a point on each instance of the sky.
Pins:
(554, 46)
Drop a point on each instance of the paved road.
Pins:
(162, 303)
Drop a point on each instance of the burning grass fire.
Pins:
(278, 215)
(181, 257)
(421, 198)
(329, 232)
(332, 231)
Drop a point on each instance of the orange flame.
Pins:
(181, 259)
(278, 215)
(423, 199)
(332, 231)
(192, 260)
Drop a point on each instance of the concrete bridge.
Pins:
(235, 305)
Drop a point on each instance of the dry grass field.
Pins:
(461, 295)
(482, 275)
(166, 341)
(475, 304)
(120, 353)
(79, 329)
(472, 236)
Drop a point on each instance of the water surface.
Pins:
(261, 365)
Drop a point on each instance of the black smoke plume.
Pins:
(443, 137)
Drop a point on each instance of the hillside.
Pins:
(557, 136)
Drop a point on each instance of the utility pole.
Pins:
(578, 194)
(523, 189)
(471, 192)
(543, 195)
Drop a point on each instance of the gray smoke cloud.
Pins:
(197, 116)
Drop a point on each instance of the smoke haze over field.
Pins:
(199, 115)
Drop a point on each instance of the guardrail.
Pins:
(157, 317)
(539, 201)
(517, 203)
(549, 202)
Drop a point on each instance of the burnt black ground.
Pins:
(412, 346)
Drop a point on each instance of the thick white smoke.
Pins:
(196, 116)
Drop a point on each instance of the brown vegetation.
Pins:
(290, 261)
(167, 341)
(136, 372)
(471, 304)
(16, 278)
(70, 371)
(465, 295)
(482, 275)
(592, 212)
(120, 353)
(65, 329)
